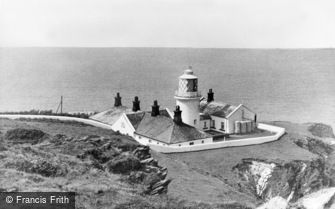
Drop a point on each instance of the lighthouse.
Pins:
(188, 98)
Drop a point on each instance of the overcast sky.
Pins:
(168, 23)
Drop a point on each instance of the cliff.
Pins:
(299, 164)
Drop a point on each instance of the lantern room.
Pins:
(188, 85)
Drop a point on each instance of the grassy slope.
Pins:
(205, 176)
(208, 175)
(81, 177)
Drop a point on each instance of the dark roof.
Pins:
(162, 128)
(135, 118)
(205, 117)
(216, 108)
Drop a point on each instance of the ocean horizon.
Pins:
(278, 84)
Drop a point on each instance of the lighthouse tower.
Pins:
(188, 98)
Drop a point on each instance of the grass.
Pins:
(53, 165)
(203, 179)
(209, 176)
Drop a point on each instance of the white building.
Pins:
(188, 98)
(206, 114)
(196, 120)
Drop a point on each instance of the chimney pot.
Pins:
(117, 102)
(210, 95)
(155, 109)
(136, 104)
(177, 115)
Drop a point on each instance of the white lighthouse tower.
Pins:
(188, 98)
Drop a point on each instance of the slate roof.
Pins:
(205, 117)
(162, 128)
(136, 117)
(218, 109)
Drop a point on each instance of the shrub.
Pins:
(20, 135)
(124, 164)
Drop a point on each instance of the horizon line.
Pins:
(155, 47)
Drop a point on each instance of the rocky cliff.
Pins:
(300, 164)
(57, 156)
(298, 183)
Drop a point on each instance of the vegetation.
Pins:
(110, 170)
(47, 112)
(21, 135)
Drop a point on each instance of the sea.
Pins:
(295, 85)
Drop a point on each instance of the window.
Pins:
(195, 122)
(149, 140)
(213, 124)
(222, 126)
(202, 141)
(140, 137)
(205, 124)
(179, 145)
(192, 85)
(191, 143)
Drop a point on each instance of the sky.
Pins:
(168, 23)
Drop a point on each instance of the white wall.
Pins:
(201, 124)
(195, 142)
(190, 110)
(218, 121)
(233, 143)
(149, 141)
(124, 126)
(238, 116)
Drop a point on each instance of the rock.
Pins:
(289, 180)
(155, 184)
(142, 152)
(101, 154)
(321, 130)
(158, 190)
(147, 161)
(163, 174)
(20, 135)
(321, 199)
(124, 164)
(136, 176)
(274, 203)
(47, 169)
(315, 146)
(164, 183)
(151, 179)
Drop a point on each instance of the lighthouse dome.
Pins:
(188, 74)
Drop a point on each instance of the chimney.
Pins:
(117, 100)
(136, 104)
(210, 96)
(177, 115)
(155, 109)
